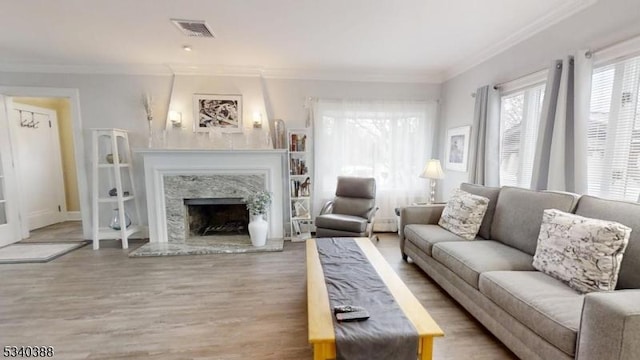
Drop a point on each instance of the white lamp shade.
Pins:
(432, 170)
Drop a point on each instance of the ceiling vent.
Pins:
(197, 28)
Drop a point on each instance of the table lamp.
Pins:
(432, 171)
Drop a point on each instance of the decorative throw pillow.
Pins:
(463, 214)
(582, 252)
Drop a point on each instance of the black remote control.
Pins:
(353, 316)
(347, 309)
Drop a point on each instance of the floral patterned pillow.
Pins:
(582, 252)
(463, 214)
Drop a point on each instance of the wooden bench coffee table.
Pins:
(321, 332)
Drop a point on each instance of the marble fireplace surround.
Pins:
(172, 175)
(177, 188)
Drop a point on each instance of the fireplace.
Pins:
(216, 217)
(173, 175)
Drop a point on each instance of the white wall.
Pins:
(605, 23)
(116, 100)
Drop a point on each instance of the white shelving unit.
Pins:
(299, 156)
(113, 172)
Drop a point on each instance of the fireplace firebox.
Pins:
(216, 217)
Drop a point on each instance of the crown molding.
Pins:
(215, 70)
(398, 76)
(101, 69)
(393, 76)
(558, 14)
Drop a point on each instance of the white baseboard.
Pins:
(74, 216)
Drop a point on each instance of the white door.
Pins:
(9, 223)
(39, 166)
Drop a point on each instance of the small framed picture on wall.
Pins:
(457, 151)
(217, 112)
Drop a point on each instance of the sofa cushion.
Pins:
(582, 252)
(627, 214)
(545, 305)
(425, 236)
(490, 193)
(469, 259)
(518, 215)
(463, 214)
(342, 222)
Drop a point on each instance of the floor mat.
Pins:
(36, 252)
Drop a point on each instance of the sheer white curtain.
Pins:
(388, 140)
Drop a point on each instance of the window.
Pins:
(388, 140)
(519, 119)
(613, 142)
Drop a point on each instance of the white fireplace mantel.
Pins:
(159, 163)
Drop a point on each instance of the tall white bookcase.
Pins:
(112, 167)
(300, 157)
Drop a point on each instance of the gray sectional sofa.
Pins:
(492, 277)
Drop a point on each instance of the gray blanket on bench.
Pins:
(352, 280)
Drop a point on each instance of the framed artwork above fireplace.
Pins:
(217, 112)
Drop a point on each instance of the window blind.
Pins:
(614, 131)
(519, 120)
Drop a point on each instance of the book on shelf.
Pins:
(296, 227)
(298, 143)
(298, 167)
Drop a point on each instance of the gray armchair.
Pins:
(352, 211)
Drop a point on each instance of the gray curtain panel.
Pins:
(560, 158)
(540, 175)
(485, 164)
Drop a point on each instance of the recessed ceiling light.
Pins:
(187, 48)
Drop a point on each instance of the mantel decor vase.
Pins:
(258, 228)
(115, 220)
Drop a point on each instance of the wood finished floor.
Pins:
(104, 305)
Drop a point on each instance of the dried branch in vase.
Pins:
(147, 101)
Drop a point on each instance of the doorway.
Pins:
(43, 161)
(46, 161)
